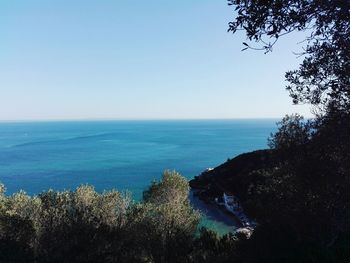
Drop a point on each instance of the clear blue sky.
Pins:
(111, 59)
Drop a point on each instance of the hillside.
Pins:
(236, 176)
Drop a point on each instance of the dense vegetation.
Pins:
(85, 226)
(301, 196)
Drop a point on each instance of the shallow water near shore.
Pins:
(122, 155)
(214, 217)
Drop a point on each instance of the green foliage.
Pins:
(165, 221)
(80, 224)
(292, 131)
(86, 226)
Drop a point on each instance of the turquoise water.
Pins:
(125, 155)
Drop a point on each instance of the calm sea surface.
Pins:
(125, 155)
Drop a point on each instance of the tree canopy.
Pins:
(87, 226)
(323, 78)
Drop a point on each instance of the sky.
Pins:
(155, 59)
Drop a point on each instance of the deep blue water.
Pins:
(125, 155)
(119, 154)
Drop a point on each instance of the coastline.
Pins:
(215, 218)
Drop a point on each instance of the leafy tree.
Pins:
(323, 77)
(292, 131)
(81, 226)
(165, 221)
(172, 188)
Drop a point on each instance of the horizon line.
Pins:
(137, 119)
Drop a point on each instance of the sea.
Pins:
(122, 155)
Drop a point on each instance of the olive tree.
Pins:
(323, 77)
